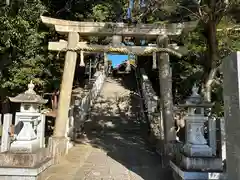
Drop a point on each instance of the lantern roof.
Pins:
(29, 96)
(195, 100)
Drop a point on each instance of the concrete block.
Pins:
(181, 174)
(23, 160)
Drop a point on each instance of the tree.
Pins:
(23, 49)
(214, 14)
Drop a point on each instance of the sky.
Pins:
(117, 59)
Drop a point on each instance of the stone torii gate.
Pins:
(160, 32)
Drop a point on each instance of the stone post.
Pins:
(212, 135)
(5, 140)
(66, 86)
(231, 93)
(223, 139)
(41, 130)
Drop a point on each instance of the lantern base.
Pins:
(201, 163)
(180, 173)
(25, 146)
(193, 150)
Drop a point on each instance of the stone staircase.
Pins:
(114, 111)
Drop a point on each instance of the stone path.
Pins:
(116, 149)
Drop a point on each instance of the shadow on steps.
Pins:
(114, 127)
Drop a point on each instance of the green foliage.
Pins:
(23, 40)
(22, 47)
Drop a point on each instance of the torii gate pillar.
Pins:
(165, 81)
(58, 143)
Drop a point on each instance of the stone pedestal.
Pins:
(196, 144)
(24, 160)
(180, 174)
(201, 163)
(26, 140)
(195, 150)
(24, 166)
(25, 146)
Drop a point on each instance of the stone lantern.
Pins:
(196, 153)
(29, 122)
(30, 101)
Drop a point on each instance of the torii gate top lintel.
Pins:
(122, 29)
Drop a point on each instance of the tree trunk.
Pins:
(211, 64)
(207, 90)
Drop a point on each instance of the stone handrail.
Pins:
(82, 101)
(148, 93)
(97, 86)
(151, 104)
